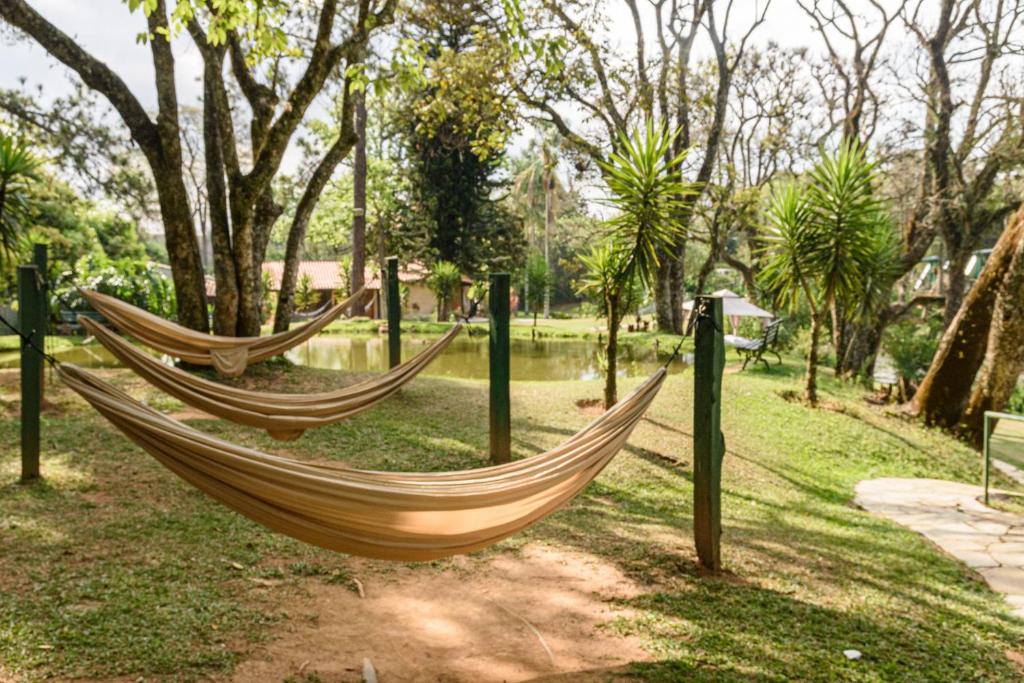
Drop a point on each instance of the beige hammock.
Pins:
(284, 416)
(387, 515)
(228, 355)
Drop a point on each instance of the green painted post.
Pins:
(30, 324)
(501, 410)
(40, 261)
(708, 441)
(394, 314)
(987, 454)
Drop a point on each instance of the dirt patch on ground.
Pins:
(591, 406)
(537, 615)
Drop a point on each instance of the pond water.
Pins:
(465, 357)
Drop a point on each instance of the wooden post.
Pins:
(987, 453)
(708, 441)
(30, 317)
(394, 314)
(501, 411)
(39, 259)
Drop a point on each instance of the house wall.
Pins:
(421, 301)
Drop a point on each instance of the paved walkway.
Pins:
(949, 514)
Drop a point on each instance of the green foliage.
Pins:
(602, 268)
(305, 296)
(259, 22)
(73, 229)
(789, 231)
(266, 299)
(600, 282)
(444, 281)
(844, 217)
(649, 195)
(19, 168)
(478, 290)
(912, 344)
(454, 120)
(536, 279)
(1016, 403)
(78, 142)
(830, 241)
(345, 275)
(830, 244)
(137, 282)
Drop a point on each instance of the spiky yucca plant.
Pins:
(649, 195)
(18, 168)
(830, 244)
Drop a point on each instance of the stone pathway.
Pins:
(949, 514)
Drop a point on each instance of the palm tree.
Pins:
(541, 173)
(536, 282)
(831, 245)
(647, 190)
(18, 166)
(444, 280)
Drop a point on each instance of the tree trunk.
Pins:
(1004, 357)
(247, 269)
(662, 298)
(861, 349)
(300, 222)
(839, 337)
(168, 173)
(943, 393)
(811, 386)
(549, 224)
(676, 289)
(956, 282)
(182, 250)
(611, 389)
(359, 196)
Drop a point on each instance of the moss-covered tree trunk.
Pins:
(946, 388)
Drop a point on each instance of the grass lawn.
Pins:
(114, 568)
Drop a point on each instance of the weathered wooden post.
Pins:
(501, 411)
(39, 259)
(394, 313)
(708, 441)
(30, 323)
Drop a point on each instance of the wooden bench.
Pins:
(754, 349)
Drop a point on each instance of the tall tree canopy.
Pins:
(280, 56)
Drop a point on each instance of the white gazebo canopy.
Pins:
(735, 306)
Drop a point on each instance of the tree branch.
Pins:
(93, 72)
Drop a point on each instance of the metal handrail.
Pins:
(989, 416)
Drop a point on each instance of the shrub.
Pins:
(912, 344)
(305, 296)
(444, 280)
(1016, 404)
(137, 282)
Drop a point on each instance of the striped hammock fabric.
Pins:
(389, 515)
(228, 355)
(284, 416)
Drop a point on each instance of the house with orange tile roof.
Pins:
(325, 277)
